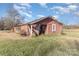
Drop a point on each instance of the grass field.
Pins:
(12, 44)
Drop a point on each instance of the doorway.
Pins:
(42, 29)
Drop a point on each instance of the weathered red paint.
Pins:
(48, 22)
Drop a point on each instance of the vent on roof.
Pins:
(54, 18)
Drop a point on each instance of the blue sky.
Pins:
(66, 13)
(4, 8)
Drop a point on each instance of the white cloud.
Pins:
(27, 14)
(26, 5)
(40, 16)
(66, 9)
(18, 8)
(76, 13)
(72, 7)
(24, 13)
(22, 9)
(43, 5)
(61, 9)
(22, 6)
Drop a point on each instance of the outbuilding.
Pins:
(44, 25)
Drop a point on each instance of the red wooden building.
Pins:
(44, 25)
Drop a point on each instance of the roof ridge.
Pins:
(42, 18)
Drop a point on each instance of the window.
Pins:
(53, 27)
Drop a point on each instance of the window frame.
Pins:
(53, 27)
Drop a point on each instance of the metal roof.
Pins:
(40, 19)
(43, 18)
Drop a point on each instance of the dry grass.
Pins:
(10, 35)
(14, 44)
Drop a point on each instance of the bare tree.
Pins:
(15, 16)
(12, 19)
(1, 23)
